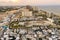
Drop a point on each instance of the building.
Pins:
(51, 20)
(27, 13)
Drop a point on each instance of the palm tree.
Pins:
(14, 24)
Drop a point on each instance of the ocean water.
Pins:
(54, 9)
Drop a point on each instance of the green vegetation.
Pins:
(14, 24)
(4, 9)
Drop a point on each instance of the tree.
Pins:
(14, 24)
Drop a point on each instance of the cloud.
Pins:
(31, 2)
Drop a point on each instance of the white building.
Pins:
(51, 20)
(27, 13)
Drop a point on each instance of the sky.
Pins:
(29, 2)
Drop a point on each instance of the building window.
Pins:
(28, 39)
(40, 38)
